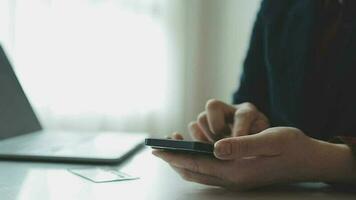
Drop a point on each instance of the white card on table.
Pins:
(101, 175)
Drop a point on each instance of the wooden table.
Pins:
(50, 181)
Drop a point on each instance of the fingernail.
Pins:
(223, 148)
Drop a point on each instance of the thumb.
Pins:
(261, 144)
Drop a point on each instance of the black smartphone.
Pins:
(180, 145)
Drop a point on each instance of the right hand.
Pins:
(220, 120)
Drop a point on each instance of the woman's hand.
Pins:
(275, 155)
(221, 120)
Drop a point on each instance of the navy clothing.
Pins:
(281, 75)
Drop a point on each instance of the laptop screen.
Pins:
(16, 114)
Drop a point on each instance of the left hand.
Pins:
(275, 155)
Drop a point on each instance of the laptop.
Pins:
(23, 138)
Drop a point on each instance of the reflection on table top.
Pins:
(39, 181)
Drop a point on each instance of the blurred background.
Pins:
(126, 65)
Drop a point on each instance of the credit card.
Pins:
(102, 175)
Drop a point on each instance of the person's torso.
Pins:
(318, 98)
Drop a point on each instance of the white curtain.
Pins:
(95, 65)
(130, 65)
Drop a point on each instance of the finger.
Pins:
(260, 124)
(195, 163)
(204, 126)
(198, 178)
(261, 144)
(217, 114)
(243, 120)
(177, 136)
(196, 132)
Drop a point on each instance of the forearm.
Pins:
(334, 163)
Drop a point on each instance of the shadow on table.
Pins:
(290, 191)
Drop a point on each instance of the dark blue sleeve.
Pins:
(254, 80)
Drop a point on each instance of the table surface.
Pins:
(34, 180)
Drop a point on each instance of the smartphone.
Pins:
(180, 146)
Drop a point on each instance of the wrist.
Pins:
(333, 163)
